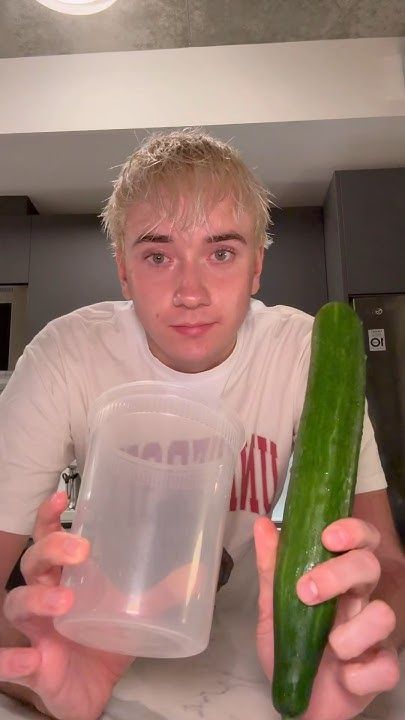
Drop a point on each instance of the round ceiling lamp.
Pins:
(77, 7)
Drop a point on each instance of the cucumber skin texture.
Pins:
(322, 483)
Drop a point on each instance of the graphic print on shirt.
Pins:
(256, 475)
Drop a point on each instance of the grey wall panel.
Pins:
(373, 217)
(334, 249)
(14, 249)
(71, 266)
(294, 268)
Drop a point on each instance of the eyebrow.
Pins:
(219, 238)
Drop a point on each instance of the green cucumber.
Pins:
(321, 490)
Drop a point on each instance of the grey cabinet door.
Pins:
(294, 265)
(365, 217)
(14, 249)
(71, 266)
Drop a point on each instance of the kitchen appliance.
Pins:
(383, 318)
(72, 481)
(13, 310)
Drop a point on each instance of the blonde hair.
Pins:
(166, 165)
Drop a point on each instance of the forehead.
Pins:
(145, 217)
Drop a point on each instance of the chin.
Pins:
(191, 367)
(192, 364)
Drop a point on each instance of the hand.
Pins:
(69, 680)
(358, 662)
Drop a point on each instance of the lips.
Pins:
(194, 329)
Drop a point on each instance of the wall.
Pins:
(67, 264)
(71, 266)
(14, 249)
(294, 268)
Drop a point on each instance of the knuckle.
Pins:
(328, 578)
(393, 675)
(390, 669)
(374, 534)
(42, 514)
(386, 616)
(369, 561)
(335, 640)
(8, 601)
(12, 600)
(362, 532)
(354, 526)
(25, 563)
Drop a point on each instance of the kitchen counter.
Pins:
(223, 683)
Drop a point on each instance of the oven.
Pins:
(13, 314)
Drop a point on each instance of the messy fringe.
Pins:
(169, 165)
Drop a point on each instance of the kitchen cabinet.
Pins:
(14, 249)
(364, 217)
(294, 265)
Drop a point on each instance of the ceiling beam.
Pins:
(234, 84)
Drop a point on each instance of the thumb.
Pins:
(266, 540)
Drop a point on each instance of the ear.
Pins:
(122, 273)
(257, 269)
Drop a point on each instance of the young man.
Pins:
(188, 224)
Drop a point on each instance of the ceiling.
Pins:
(28, 28)
(71, 172)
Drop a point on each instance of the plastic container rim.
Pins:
(168, 389)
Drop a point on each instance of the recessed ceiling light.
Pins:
(77, 7)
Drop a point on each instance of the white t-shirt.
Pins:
(45, 407)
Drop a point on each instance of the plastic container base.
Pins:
(121, 636)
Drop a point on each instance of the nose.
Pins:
(191, 290)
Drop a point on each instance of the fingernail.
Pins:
(308, 590)
(72, 547)
(337, 537)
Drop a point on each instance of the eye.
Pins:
(223, 254)
(156, 258)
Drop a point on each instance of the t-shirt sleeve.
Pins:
(370, 475)
(35, 438)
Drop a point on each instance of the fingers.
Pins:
(357, 571)
(372, 626)
(48, 516)
(350, 533)
(27, 602)
(378, 673)
(30, 609)
(266, 540)
(17, 663)
(43, 561)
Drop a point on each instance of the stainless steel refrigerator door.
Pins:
(383, 318)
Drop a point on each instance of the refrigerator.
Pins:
(383, 318)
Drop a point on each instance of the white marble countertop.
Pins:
(223, 683)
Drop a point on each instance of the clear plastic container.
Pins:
(153, 503)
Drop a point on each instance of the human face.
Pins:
(190, 287)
